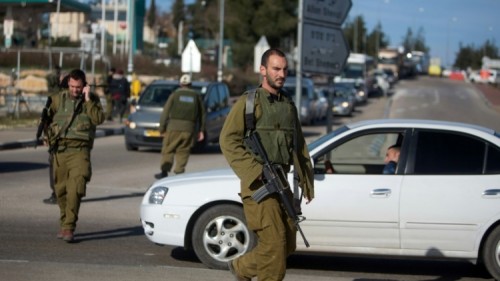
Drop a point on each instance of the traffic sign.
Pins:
(260, 48)
(326, 11)
(191, 58)
(324, 49)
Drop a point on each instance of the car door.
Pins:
(450, 195)
(356, 207)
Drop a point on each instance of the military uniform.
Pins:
(181, 115)
(276, 122)
(71, 139)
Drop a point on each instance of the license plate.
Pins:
(152, 133)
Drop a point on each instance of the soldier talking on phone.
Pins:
(75, 112)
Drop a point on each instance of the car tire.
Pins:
(220, 234)
(130, 147)
(491, 253)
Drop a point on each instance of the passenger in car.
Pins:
(391, 159)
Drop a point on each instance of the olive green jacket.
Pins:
(243, 163)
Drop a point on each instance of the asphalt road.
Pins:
(110, 242)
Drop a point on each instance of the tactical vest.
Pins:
(185, 105)
(276, 126)
(80, 128)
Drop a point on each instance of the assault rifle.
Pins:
(274, 182)
(44, 120)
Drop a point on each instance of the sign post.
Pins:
(322, 47)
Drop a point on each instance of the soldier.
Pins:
(107, 94)
(53, 86)
(75, 113)
(276, 121)
(54, 80)
(182, 114)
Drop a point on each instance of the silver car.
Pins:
(142, 126)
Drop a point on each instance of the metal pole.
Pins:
(57, 19)
(115, 20)
(103, 29)
(131, 50)
(127, 33)
(298, 81)
(221, 39)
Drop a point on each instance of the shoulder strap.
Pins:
(249, 109)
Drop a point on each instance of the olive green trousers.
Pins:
(176, 144)
(72, 171)
(276, 235)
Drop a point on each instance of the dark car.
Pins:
(142, 128)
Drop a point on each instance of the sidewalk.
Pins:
(25, 137)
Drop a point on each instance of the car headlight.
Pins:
(345, 104)
(158, 194)
(132, 125)
(361, 93)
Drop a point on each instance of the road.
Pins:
(110, 242)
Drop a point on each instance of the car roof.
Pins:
(419, 123)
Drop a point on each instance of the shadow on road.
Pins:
(12, 167)
(114, 197)
(109, 234)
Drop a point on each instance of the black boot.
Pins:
(161, 175)
(51, 200)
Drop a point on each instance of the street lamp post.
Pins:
(221, 39)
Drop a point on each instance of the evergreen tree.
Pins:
(151, 17)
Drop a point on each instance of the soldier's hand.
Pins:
(201, 136)
(86, 92)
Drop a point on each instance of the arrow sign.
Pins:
(191, 58)
(326, 11)
(260, 48)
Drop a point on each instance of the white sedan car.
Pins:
(442, 202)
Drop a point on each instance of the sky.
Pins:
(445, 23)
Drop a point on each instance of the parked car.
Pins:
(142, 126)
(359, 84)
(442, 202)
(343, 98)
(312, 107)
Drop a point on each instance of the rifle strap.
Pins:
(250, 126)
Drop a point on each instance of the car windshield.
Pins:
(156, 95)
(326, 137)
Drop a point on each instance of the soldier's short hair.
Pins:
(268, 53)
(78, 74)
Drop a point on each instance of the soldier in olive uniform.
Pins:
(182, 114)
(75, 113)
(277, 123)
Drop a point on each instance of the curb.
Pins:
(102, 132)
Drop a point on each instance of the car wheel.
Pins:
(491, 253)
(130, 147)
(220, 234)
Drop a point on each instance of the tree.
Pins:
(355, 33)
(415, 43)
(151, 17)
(178, 12)
(377, 34)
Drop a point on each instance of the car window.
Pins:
(364, 154)
(445, 153)
(223, 96)
(493, 162)
(212, 99)
(156, 95)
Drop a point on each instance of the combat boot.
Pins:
(237, 277)
(161, 175)
(68, 235)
